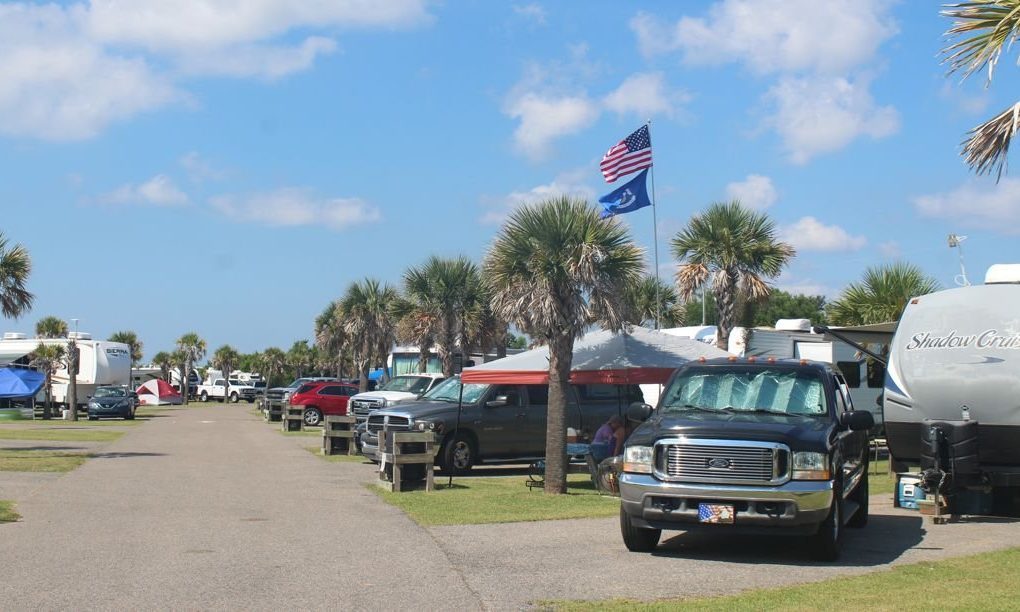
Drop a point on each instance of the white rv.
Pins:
(794, 339)
(100, 362)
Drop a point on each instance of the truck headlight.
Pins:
(638, 459)
(810, 466)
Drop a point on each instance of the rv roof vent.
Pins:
(803, 325)
(1002, 273)
(14, 336)
(79, 335)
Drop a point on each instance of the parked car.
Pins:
(759, 446)
(112, 402)
(398, 389)
(322, 398)
(227, 390)
(279, 395)
(498, 423)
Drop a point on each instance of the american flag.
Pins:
(631, 154)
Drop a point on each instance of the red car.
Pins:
(321, 399)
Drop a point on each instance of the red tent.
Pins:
(157, 392)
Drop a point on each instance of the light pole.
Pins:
(956, 242)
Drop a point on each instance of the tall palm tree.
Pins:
(299, 357)
(881, 295)
(555, 269)
(49, 358)
(51, 327)
(224, 359)
(651, 300)
(273, 362)
(734, 248)
(164, 361)
(15, 266)
(416, 326)
(135, 346)
(180, 359)
(981, 30)
(368, 322)
(192, 348)
(331, 337)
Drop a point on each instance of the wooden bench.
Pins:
(293, 418)
(401, 457)
(338, 435)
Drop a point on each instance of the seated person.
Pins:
(608, 440)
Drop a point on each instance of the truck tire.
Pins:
(860, 496)
(233, 398)
(458, 454)
(825, 544)
(204, 397)
(637, 539)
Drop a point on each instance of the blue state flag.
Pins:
(627, 198)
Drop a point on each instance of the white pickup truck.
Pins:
(232, 390)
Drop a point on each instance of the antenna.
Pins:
(956, 242)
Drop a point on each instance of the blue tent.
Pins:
(19, 382)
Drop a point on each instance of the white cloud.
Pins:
(566, 184)
(644, 94)
(810, 234)
(533, 12)
(806, 288)
(259, 60)
(160, 190)
(546, 118)
(774, 35)
(824, 114)
(198, 168)
(755, 191)
(890, 250)
(296, 207)
(975, 204)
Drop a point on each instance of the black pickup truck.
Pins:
(739, 445)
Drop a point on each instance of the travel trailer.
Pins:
(100, 362)
(951, 393)
(794, 339)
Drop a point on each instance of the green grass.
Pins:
(317, 451)
(7, 513)
(473, 501)
(980, 582)
(16, 460)
(880, 483)
(60, 434)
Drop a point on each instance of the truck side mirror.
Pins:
(500, 400)
(639, 411)
(857, 421)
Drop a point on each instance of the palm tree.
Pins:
(414, 326)
(331, 337)
(881, 295)
(299, 357)
(15, 266)
(555, 269)
(982, 29)
(180, 359)
(134, 346)
(734, 248)
(224, 360)
(48, 358)
(192, 348)
(366, 305)
(164, 361)
(651, 300)
(272, 363)
(51, 327)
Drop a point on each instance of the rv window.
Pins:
(876, 374)
(851, 371)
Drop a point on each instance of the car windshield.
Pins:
(305, 388)
(449, 391)
(757, 391)
(408, 384)
(110, 392)
(297, 383)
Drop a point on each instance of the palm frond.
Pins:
(986, 28)
(987, 145)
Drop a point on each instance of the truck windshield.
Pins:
(449, 391)
(754, 391)
(409, 384)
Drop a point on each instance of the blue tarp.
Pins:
(19, 382)
(376, 374)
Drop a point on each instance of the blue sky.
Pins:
(175, 166)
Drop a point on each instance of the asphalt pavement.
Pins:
(211, 508)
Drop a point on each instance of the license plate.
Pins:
(715, 513)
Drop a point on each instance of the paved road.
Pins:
(211, 508)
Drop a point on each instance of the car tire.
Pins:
(130, 416)
(233, 398)
(825, 544)
(92, 418)
(860, 496)
(637, 539)
(251, 400)
(312, 417)
(203, 397)
(458, 454)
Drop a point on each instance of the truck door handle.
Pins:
(521, 415)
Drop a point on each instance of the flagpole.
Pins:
(655, 234)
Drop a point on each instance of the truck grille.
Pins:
(361, 407)
(376, 422)
(722, 461)
(275, 394)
